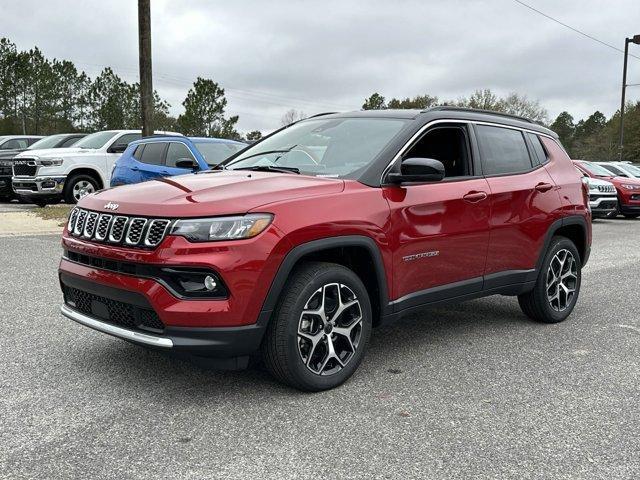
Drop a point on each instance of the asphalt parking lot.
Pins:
(471, 390)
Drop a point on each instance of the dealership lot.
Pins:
(470, 389)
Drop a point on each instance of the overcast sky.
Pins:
(329, 55)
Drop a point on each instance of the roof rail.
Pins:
(452, 108)
(320, 114)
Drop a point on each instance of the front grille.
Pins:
(118, 229)
(112, 311)
(90, 225)
(606, 189)
(103, 226)
(23, 169)
(134, 232)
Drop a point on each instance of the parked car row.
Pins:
(45, 170)
(608, 181)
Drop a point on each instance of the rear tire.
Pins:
(319, 331)
(558, 284)
(77, 186)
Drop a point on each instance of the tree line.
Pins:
(40, 96)
(593, 138)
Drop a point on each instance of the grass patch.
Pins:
(54, 212)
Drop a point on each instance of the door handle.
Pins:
(475, 197)
(164, 172)
(543, 187)
(134, 169)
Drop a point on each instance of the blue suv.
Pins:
(155, 157)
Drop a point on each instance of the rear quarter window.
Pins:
(503, 150)
(538, 148)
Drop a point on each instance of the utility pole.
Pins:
(146, 83)
(635, 39)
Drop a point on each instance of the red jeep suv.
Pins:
(297, 246)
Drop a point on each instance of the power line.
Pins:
(580, 32)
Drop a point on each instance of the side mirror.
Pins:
(118, 148)
(418, 170)
(187, 163)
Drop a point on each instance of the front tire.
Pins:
(558, 284)
(77, 186)
(319, 331)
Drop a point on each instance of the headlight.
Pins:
(631, 187)
(50, 162)
(222, 228)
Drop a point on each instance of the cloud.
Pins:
(329, 55)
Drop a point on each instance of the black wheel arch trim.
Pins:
(557, 225)
(314, 246)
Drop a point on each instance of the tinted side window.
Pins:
(31, 141)
(14, 143)
(153, 153)
(128, 138)
(137, 154)
(177, 151)
(538, 148)
(503, 150)
(70, 141)
(448, 145)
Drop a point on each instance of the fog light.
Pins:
(210, 283)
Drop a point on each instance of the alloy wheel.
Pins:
(330, 329)
(562, 280)
(82, 188)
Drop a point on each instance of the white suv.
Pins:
(47, 176)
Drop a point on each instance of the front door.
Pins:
(440, 230)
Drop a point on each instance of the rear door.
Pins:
(151, 163)
(524, 202)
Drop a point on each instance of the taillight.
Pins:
(585, 194)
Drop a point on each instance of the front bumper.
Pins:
(6, 189)
(603, 205)
(41, 186)
(222, 347)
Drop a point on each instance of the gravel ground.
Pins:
(472, 390)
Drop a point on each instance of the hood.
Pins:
(52, 152)
(210, 193)
(8, 154)
(597, 181)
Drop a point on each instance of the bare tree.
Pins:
(291, 116)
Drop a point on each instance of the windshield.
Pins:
(95, 140)
(47, 142)
(337, 147)
(216, 152)
(632, 169)
(597, 170)
(615, 170)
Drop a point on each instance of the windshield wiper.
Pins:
(270, 168)
(224, 166)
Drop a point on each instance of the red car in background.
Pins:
(628, 189)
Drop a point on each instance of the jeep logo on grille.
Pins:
(111, 206)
